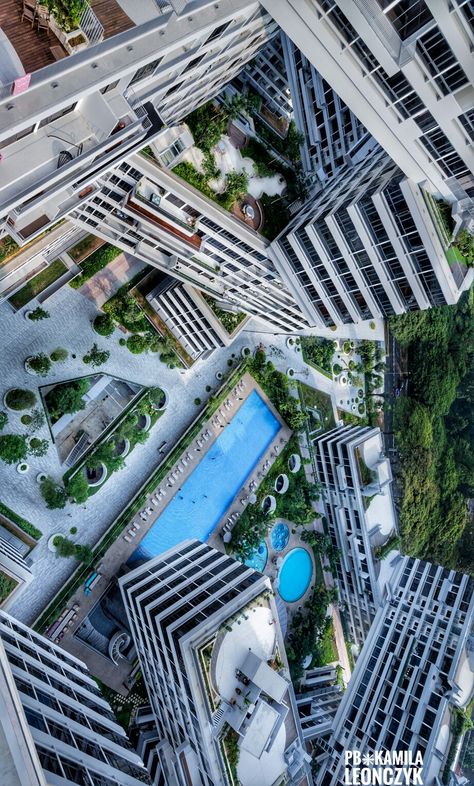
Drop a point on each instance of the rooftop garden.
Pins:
(459, 249)
(20, 522)
(38, 283)
(67, 13)
(8, 247)
(318, 406)
(94, 263)
(229, 320)
(85, 247)
(318, 352)
(7, 585)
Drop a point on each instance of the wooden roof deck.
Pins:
(111, 16)
(32, 47)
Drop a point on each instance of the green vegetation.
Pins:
(38, 314)
(96, 357)
(325, 650)
(460, 723)
(8, 248)
(40, 364)
(34, 421)
(289, 147)
(316, 401)
(435, 433)
(309, 628)
(22, 523)
(53, 494)
(232, 751)
(84, 247)
(95, 262)
(228, 319)
(278, 389)
(78, 488)
(59, 355)
(392, 543)
(13, 448)
(67, 13)
(322, 546)
(7, 585)
(38, 283)
(235, 184)
(67, 397)
(38, 447)
(103, 325)
(3, 420)
(19, 398)
(275, 214)
(66, 548)
(318, 352)
(123, 309)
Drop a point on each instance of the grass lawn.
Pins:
(38, 283)
(316, 399)
(85, 247)
(453, 255)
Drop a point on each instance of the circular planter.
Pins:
(219, 375)
(245, 352)
(12, 409)
(28, 369)
(290, 342)
(27, 314)
(122, 448)
(144, 422)
(290, 372)
(51, 546)
(22, 468)
(281, 484)
(40, 477)
(95, 477)
(294, 463)
(269, 504)
(163, 403)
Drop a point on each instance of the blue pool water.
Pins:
(258, 558)
(280, 536)
(295, 575)
(205, 496)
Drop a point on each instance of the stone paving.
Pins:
(70, 327)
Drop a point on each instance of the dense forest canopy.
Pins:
(434, 433)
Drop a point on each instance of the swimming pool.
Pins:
(207, 493)
(295, 575)
(280, 536)
(258, 558)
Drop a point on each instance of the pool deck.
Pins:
(114, 560)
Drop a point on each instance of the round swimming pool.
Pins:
(280, 536)
(258, 558)
(295, 575)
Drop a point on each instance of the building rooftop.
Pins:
(111, 16)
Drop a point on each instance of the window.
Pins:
(106, 89)
(147, 70)
(440, 61)
(57, 115)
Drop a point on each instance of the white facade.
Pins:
(206, 627)
(56, 728)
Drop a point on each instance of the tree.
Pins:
(53, 494)
(38, 447)
(64, 547)
(38, 313)
(96, 357)
(37, 420)
(104, 325)
(18, 399)
(40, 364)
(157, 397)
(78, 488)
(67, 397)
(59, 355)
(13, 448)
(3, 420)
(137, 344)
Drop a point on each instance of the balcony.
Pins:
(148, 206)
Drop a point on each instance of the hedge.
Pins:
(97, 261)
(20, 522)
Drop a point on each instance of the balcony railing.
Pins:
(90, 25)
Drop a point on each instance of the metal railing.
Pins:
(90, 25)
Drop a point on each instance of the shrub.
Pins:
(95, 262)
(318, 350)
(38, 313)
(122, 342)
(38, 447)
(3, 420)
(59, 355)
(36, 420)
(137, 344)
(53, 494)
(96, 357)
(67, 398)
(78, 488)
(208, 388)
(73, 530)
(156, 396)
(40, 364)
(337, 368)
(103, 325)
(13, 448)
(197, 401)
(20, 522)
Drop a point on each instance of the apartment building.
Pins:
(356, 482)
(406, 71)
(369, 245)
(79, 117)
(55, 726)
(209, 642)
(414, 670)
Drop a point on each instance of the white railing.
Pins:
(90, 25)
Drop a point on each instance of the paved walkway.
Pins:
(107, 282)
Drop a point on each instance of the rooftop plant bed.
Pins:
(20, 522)
(318, 352)
(366, 474)
(7, 585)
(383, 551)
(459, 249)
(66, 397)
(235, 188)
(8, 248)
(99, 259)
(85, 247)
(67, 13)
(316, 399)
(228, 319)
(38, 283)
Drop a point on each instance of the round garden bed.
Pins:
(269, 504)
(281, 483)
(144, 422)
(95, 475)
(22, 468)
(122, 447)
(294, 462)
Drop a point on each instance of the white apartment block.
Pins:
(144, 208)
(406, 71)
(209, 642)
(83, 115)
(356, 481)
(56, 729)
(367, 246)
(416, 666)
(13, 566)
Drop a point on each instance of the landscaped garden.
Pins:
(7, 585)
(318, 406)
(85, 247)
(228, 319)
(94, 263)
(459, 249)
(38, 283)
(318, 352)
